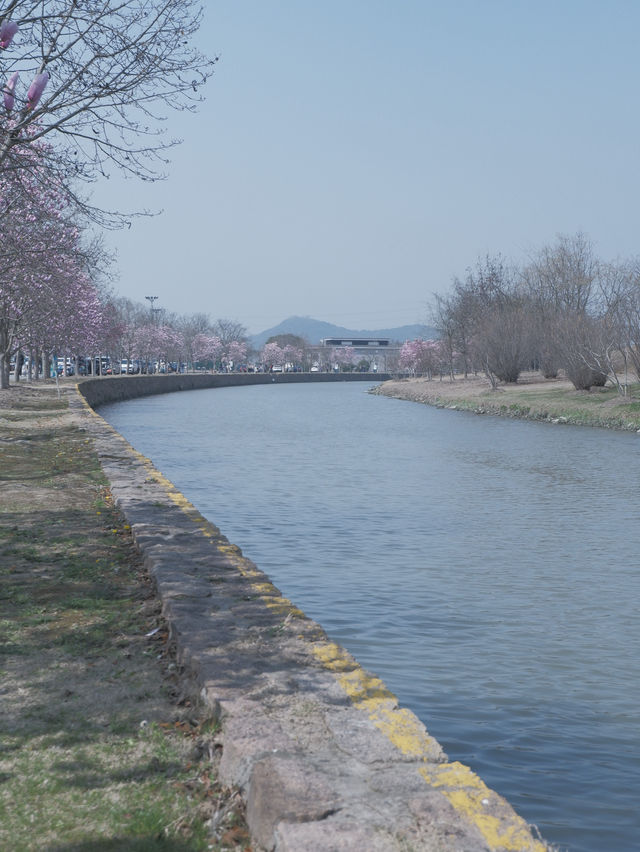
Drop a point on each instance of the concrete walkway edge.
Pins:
(324, 755)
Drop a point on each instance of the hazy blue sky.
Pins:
(353, 156)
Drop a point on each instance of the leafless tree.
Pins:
(498, 329)
(572, 311)
(566, 309)
(229, 330)
(192, 326)
(629, 314)
(444, 316)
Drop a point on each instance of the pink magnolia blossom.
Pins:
(236, 352)
(421, 357)
(206, 348)
(343, 356)
(47, 300)
(273, 355)
(293, 354)
(36, 89)
(7, 31)
(8, 91)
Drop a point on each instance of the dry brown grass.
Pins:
(535, 398)
(102, 743)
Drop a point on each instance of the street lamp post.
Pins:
(151, 300)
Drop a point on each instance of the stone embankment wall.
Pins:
(325, 757)
(103, 389)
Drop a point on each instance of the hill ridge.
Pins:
(314, 330)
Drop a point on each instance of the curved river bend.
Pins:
(486, 569)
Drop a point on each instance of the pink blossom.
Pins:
(36, 89)
(7, 31)
(8, 91)
(272, 355)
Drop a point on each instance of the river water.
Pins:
(486, 569)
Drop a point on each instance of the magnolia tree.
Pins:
(293, 355)
(122, 319)
(423, 357)
(129, 334)
(98, 77)
(192, 328)
(47, 299)
(343, 356)
(207, 347)
(272, 355)
(170, 345)
(156, 343)
(235, 352)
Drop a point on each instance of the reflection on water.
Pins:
(486, 569)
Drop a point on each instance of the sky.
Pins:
(353, 156)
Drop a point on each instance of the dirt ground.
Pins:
(532, 397)
(103, 743)
(473, 387)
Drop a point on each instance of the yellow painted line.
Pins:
(370, 694)
(466, 792)
(470, 796)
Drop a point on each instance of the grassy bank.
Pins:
(103, 746)
(533, 398)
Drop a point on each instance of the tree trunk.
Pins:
(4, 371)
(19, 363)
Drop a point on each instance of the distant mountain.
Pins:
(315, 330)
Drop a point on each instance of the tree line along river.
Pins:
(486, 569)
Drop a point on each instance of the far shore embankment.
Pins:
(531, 398)
(100, 390)
(324, 755)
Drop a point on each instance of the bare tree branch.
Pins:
(104, 74)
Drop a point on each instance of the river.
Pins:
(485, 568)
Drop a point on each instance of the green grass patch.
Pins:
(99, 747)
(599, 407)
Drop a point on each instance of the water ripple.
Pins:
(486, 569)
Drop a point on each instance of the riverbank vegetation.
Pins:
(565, 310)
(533, 398)
(104, 741)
